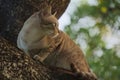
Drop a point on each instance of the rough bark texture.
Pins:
(15, 65)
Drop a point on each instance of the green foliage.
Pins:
(106, 66)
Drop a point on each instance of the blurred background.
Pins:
(95, 26)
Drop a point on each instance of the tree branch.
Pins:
(15, 65)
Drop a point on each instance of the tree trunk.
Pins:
(13, 14)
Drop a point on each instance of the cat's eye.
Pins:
(51, 25)
(54, 24)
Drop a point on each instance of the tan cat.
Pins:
(41, 39)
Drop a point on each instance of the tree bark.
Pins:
(15, 65)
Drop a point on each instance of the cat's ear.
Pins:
(46, 11)
(55, 13)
